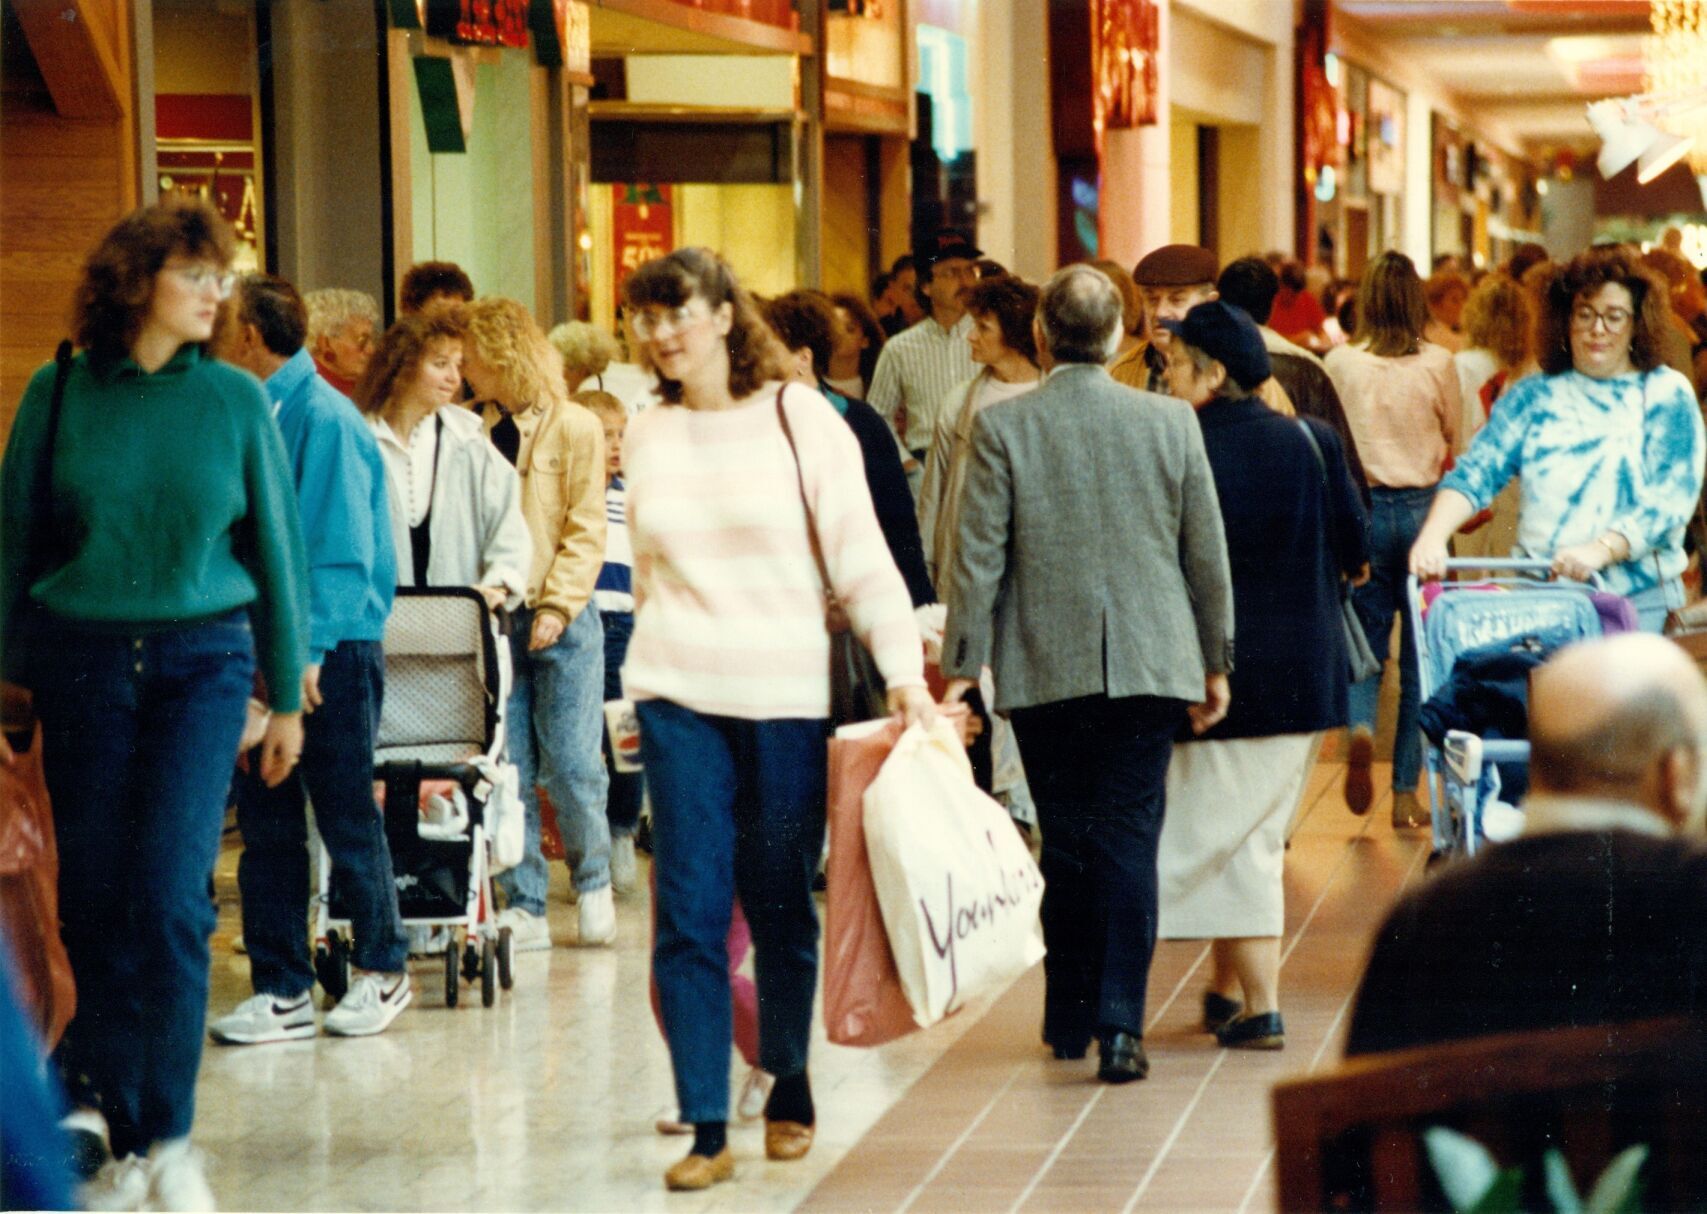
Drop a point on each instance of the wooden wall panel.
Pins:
(63, 183)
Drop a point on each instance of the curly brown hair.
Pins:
(755, 355)
(1584, 275)
(426, 279)
(502, 334)
(861, 314)
(1013, 303)
(402, 350)
(1392, 311)
(111, 302)
(805, 320)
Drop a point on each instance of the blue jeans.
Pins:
(336, 772)
(1395, 518)
(139, 735)
(623, 810)
(737, 809)
(555, 720)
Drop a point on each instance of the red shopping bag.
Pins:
(863, 1000)
(29, 895)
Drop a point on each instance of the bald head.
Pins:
(1624, 717)
(1079, 316)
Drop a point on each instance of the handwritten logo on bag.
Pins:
(1013, 888)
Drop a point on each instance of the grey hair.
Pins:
(586, 349)
(331, 308)
(1082, 315)
(1230, 388)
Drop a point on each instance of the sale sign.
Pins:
(642, 228)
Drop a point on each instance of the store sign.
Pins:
(479, 22)
(642, 228)
(1125, 39)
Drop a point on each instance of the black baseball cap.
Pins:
(1227, 334)
(944, 245)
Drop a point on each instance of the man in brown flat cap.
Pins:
(1173, 280)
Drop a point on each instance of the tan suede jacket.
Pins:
(562, 465)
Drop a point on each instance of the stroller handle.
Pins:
(1511, 564)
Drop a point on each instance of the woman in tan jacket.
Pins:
(556, 709)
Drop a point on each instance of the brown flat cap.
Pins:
(1176, 265)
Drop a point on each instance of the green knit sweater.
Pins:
(173, 503)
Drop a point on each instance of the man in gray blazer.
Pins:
(1092, 577)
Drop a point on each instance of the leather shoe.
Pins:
(1123, 1059)
(786, 1140)
(700, 1172)
(1260, 1031)
(1219, 1011)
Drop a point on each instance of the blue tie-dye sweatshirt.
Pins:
(1595, 455)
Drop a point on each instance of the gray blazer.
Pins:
(1091, 554)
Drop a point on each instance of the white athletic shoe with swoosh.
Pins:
(265, 1018)
(373, 1002)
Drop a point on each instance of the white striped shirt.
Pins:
(729, 615)
(916, 370)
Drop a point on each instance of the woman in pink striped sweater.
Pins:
(729, 671)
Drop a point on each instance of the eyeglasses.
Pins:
(1584, 317)
(198, 278)
(654, 322)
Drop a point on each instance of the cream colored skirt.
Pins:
(1223, 841)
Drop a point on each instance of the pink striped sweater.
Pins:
(729, 606)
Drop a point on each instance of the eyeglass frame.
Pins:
(646, 321)
(1596, 316)
(196, 276)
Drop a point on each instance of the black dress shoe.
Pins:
(1123, 1059)
(1262, 1031)
(1219, 1011)
(1068, 1052)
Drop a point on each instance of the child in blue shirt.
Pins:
(613, 593)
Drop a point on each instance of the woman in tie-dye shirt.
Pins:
(1608, 442)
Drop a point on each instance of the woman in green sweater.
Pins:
(150, 559)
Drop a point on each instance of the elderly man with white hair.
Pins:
(1594, 914)
(342, 328)
(1091, 574)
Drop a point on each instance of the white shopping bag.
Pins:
(959, 891)
(506, 817)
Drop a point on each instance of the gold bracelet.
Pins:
(1610, 550)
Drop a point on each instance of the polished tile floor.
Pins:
(547, 1101)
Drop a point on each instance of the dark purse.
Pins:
(857, 688)
(1360, 658)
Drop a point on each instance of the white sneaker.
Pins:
(121, 1184)
(370, 1006)
(529, 933)
(175, 1178)
(427, 941)
(754, 1093)
(263, 1018)
(598, 917)
(624, 875)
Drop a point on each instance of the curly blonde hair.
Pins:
(586, 349)
(501, 333)
(1499, 317)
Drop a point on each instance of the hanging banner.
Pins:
(1125, 40)
(642, 228)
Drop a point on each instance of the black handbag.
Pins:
(1360, 658)
(857, 688)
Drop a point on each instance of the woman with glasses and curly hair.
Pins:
(150, 560)
(556, 714)
(733, 481)
(1607, 441)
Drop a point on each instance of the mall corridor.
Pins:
(547, 1101)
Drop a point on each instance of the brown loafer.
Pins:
(787, 1139)
(699, 1172)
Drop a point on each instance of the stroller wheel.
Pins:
(451, 977)
(506, 950)
(488, 972)
(332, 966)
(471, 961)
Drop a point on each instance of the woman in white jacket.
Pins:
(456, 515)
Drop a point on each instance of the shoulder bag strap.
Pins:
(805, 502)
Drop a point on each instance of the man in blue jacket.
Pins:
(340, 485)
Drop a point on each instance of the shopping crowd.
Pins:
(1121, 513)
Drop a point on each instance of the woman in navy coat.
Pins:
(1295, 527)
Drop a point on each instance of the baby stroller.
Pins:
(447, 679)
(1510, 604)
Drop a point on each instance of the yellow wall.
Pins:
(1182, 181)
(1241, 212)
(197, 51)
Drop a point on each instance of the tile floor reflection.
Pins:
(545, 1101)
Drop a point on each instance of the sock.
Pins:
(791, 1100)
(709, 1138)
